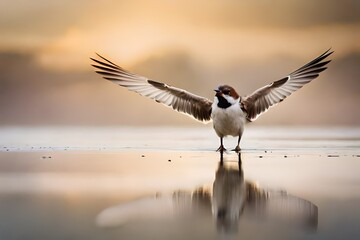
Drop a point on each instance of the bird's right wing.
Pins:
(180, 204)
(147, 208)
(179, 99)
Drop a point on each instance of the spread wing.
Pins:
(180, 204)
(147, 208)
(179, 99)
(283, 208)
(263, 98)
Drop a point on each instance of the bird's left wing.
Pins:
(179, 99)
(282, 208)
(263, 98)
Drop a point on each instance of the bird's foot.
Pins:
(221, 149)
(237, 149)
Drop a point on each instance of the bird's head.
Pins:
(226, 96)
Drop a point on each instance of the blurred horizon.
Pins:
(46, 77)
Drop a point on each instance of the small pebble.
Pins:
(169, 160)
(142, 155)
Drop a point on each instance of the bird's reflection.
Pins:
(229, 195)
(229, 199)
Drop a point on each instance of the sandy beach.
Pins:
(169, 183)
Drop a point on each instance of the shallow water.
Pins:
(168, 183)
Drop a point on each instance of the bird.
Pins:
(229, 112)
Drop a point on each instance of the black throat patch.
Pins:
(223, 103)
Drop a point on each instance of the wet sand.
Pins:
(169, 183)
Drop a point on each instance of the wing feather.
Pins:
(262, 99)
(179, 99)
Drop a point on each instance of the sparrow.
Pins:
(229, 112)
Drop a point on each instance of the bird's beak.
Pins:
(218, 92)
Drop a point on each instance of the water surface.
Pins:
(168, 183)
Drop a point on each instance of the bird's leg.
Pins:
(237, 148)
(221, 149)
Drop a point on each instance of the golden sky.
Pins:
(213, 40)
(63, 32)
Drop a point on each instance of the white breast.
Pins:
(228, 121)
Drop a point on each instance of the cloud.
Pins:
(41, 17)
(286, 14)
(228, 13)
(213, 46)
(134, 29)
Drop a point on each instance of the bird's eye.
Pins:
(226, 92)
